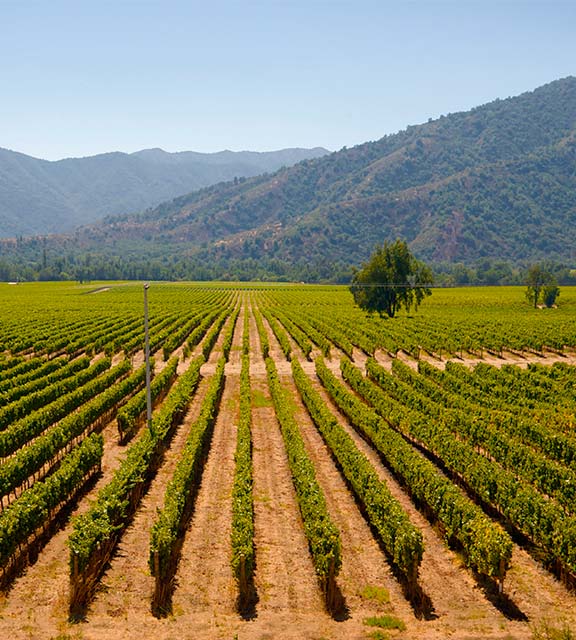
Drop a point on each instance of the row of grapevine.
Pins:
(534, 429)
(37, 507)
(45, 373)
(474, 323)
(131, 417)
(262, 333)
(228, 336)
(167, 533)
(549, 430)
(483, 432)
(316, 336)
(169, 329)
(23, 431)
(280, 333)
(299, 337)
(400, 538)
(109, 322)
(541, 448)
(511, 386)
(196, 328)
(312, 321)
(20, 372)
(96, 533)
(107, 337)
(44, 453)
(487, 547)
(332, 333)
(8, 364)
(16, 386)
(89, 335)
(33, 396)
(243, 552)
(199, 332)
(72, 338)
(536, 516)
(322, 535)
(212, 334)
(177, 337)
(133, 341)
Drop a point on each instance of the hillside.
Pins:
(38, 196)
(497, 183)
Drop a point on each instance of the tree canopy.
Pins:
(390, 280)
(541, 286)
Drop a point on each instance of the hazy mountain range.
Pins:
(495, 182)
(39, 196)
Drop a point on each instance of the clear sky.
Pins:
(84, 77)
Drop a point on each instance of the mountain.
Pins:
(494, 183)
(39, 197)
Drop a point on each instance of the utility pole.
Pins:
(147, 358)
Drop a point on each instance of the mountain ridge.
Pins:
(41, 196)
(495, 183)
(422, 158)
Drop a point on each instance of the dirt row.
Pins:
(289, 602)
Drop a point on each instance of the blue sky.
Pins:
(84, 77)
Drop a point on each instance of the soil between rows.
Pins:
(289, 605)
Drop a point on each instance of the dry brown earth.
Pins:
(289, 602)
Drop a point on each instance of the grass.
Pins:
(385, 622)
(77, 635)
(259, 400)
(379, 635)
(545, 631)
(378, 594)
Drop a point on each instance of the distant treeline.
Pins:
(83, 267)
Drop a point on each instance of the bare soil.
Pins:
(520, 359)
(37, 604)
(204, 580)
(364, 565)
(127, 586)
(285, 579)
(289, 604)
(459, 606)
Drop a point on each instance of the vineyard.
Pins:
(308, 472)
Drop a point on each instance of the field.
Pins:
(309, 471)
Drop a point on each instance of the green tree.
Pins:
(390, 280)
(549, 294)
(541, 286)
